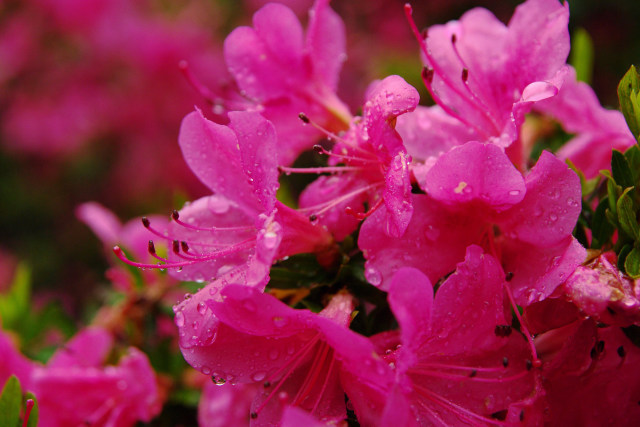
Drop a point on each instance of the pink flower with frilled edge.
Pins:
(284, 71)
(241, 227)
(376, 167)
(591, 376)
(486, 76)
(75, 387)
(297, 356)
(460, 362)
(475, 195)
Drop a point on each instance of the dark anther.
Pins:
(473, 373)
(279, 169)
(185, 247)
(267, 384)
(424, 34)
(175, 245)
(304, 118)
(502, 330)
(427, 74)
(621, 351)
(611, 311)
(600, 346)
(145, 222)
(505, 361)
(175, 215)
(509, 276)
(500, 415)
(529, 365)
(313, 217)
(151, 248)
(465, 74)
(522, 415)
(254, 415)
(318, 148)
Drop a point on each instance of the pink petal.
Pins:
(326, 43)
(89, 348)
(442, 234)
(551, 206)
(478, 176)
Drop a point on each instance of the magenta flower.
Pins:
(241, 226)
(486, 76)
(14, 363)
(296, 355)
(285, 72)
(75, 387)
(590, 376)
(377, 166)
(475, 195)
(460, 363)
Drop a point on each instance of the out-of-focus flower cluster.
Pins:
(472, 258)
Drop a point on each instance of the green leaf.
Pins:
(632, 263)
(601, 228)
(628, 95)
(612, 196)
(621, 170)
(33, 416)
(588, 185)
(622, 256)
(627, 215)
(10, 402)
(14, 306)
(633, 158)
(582, 55)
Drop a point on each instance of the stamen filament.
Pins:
(325, 169)
(328, 205)
(175, 215)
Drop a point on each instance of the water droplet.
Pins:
(270, 239)
(249, 305)
(280, 321)
(206, 370)
(258, 376)
(179, 319)
(431, 232)
(273, 354)
(514, 192)
(202, 308)
(553, 217)
(218, 380)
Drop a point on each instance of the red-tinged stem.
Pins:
(27, 412)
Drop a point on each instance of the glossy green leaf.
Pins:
(621, 170)
(627, 215)
(612, 195)
(622, 256)
(582, 55)
(601, 228)
(629, 97)
(632, 263)
(10, 402)
(633, 158)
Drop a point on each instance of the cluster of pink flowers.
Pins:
(438, 216)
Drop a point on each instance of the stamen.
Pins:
(323, 207)
(152, 251)
(333, 137)
(523, 328)
(324, 169)
(361, 216)
(27, 412)
(320, 150)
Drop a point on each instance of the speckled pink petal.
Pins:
(411, 299)
(397, 195)
(475, 176)
(257, 144)
(469, 305)
(207, 147)
(433, 230)
(551, 206)
(539, 270)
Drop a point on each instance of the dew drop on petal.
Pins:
(373, 276)
(202, 308)
(179, 319)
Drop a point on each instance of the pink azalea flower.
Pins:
(601, 291)
(486, 75)
(296, 355)
(377, 166)
(241, 226)
(460, 363)
(284, 71)
(590, 376)
(475, 195)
